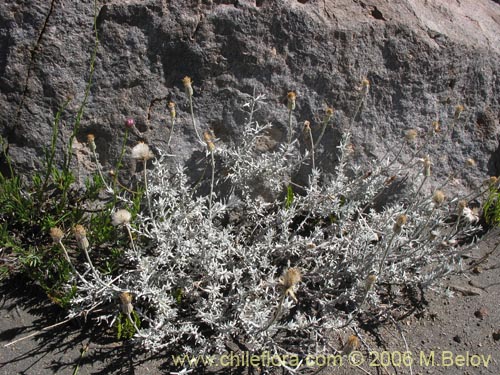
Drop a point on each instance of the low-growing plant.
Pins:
(271, 263)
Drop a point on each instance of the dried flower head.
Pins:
(126, 300)
(129, 123)
(142, 152)
(289, 280)
(57, 234)
(458, 111)
(351, 345)
(436, 126)
(462, 204)
(90, 141)
(411, 135)
(81, 237)
(401, 220)
(186, 81)
(471, 163)
(207, 136)
(291, 100)
(171, 109)
(438, 197)
(307, 126)
(365, 86)
(493, 181)
(329, 111)
(121, 217)
(370, 281)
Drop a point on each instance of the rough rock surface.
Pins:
(422, 59)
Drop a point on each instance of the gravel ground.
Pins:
(455, 335)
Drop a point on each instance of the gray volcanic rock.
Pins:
(421, 60)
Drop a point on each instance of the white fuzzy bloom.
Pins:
(121, 217)
(470, 215)
(141, 151)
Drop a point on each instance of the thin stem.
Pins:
(171, 132)
(309, 133)
(66, 256)
(212, 159)
(358, 109)
(38, 332)
(119, 163)
(129, 232)
(145, 171)
(416, 194)
(276, 314)
(323, 129)
(91, 265)
(290, 130)
(99, 170)
(193, 119)
(381, 266)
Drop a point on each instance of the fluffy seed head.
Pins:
(121, 217)
(438, 197)
(57, 234)
(290, 278)
(141, 151)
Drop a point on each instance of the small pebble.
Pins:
(496, 335)
(481, 313)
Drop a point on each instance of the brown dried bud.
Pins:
(291, 100)
(57, 234)
(186, 81)
(81, 237)
(126, 300)
(370, 281)
(400, 221)
(411, 135)
(171, 109)
(458, 111)
(351, 345)
(438, 197)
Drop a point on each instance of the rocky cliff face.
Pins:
(421, 60)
